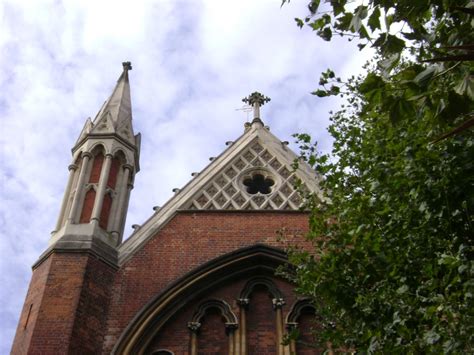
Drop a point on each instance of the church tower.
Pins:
(105, 160)
(65, 308)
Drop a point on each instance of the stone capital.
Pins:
(194, 326)
(243, 302)
(128, 166)
(278, 303)
(230, 327)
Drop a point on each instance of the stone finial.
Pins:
(256, 100)
(127, 65)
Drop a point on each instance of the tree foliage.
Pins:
(392, 268)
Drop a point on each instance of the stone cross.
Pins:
(127, 65)
(256, 100)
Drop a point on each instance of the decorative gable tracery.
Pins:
(255, 180)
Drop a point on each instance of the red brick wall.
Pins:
(89, 326)
(306, 324)
(261, 324)
(212, 339)
(69, 293)
(28, 318)
(186, 242)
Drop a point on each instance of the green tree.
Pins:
(392, 268)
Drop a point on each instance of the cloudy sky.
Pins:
(193, 61)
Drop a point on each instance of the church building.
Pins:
(197, 277)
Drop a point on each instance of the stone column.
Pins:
(79, 187)
(230, 331)
(292, 346)
(123, 213)
(72, 171)
(121, 196)
(243, 303)
(99, 197)
(194, 328)
(277, 306)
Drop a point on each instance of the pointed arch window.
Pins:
(213, 319)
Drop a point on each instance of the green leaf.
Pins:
(343, 23)
(338, 6)
(401, 108)
(320, 93)
(380, 40)
(466, 86)
(320, 22)
(371, 82)
(388, 63)
(425, 76)
(374, 19)
(392, 45)
(325, 34)
(359, 14)
(431, 337)
(313, 6)
(402, 289)
(299, 22)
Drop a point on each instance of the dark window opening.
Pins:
(258, 183)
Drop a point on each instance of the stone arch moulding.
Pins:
(145, 325)
(120, 154)
(297, 308)
(223, 307)
(162, 352)
(257, 281)
(98, 148)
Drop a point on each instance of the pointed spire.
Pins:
(115, 116)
